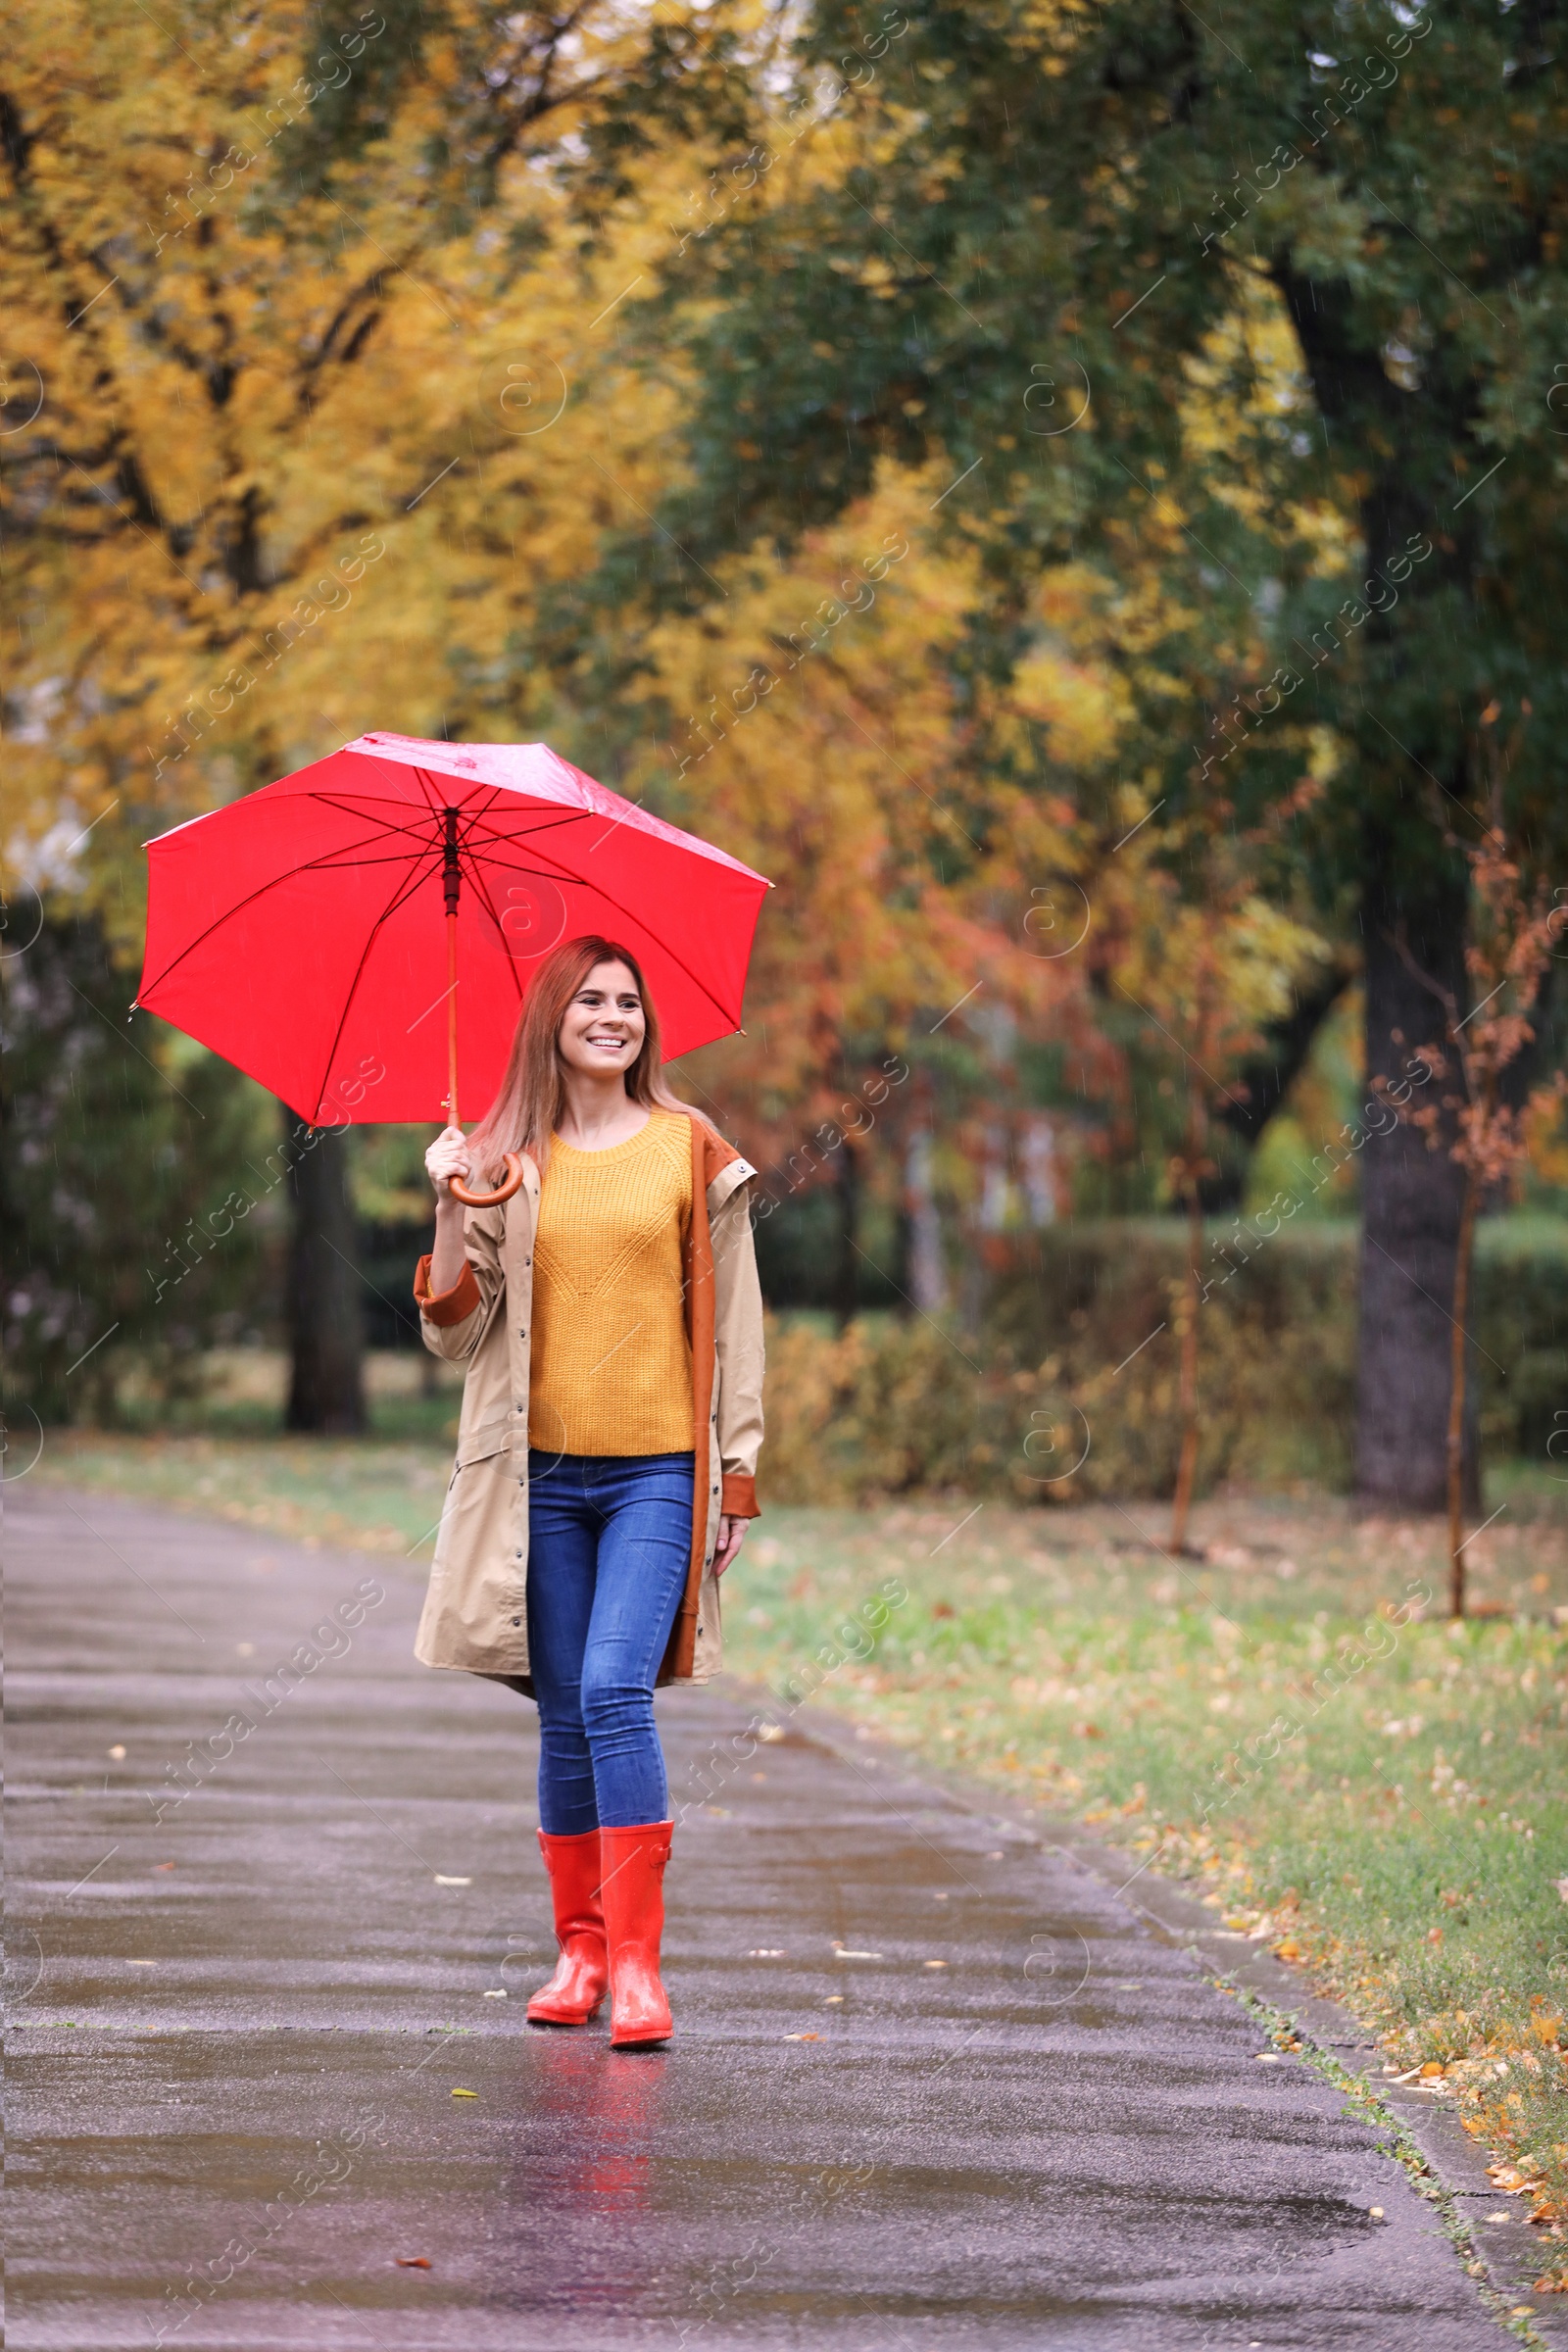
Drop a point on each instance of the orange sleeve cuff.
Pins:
(446, 1307)
(739, 1499)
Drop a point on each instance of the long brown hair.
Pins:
(531, 1100)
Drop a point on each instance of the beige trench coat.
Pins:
(476, 1616)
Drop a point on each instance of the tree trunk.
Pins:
(846, 1272)
(1459, 1395)
(1187, 1389)
(1412, 1198)
(326, 1390)
(928, 1277)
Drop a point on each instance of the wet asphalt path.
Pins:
(236, 2030)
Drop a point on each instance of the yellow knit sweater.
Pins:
(611, 1364)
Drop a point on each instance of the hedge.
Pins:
(1068, 1389)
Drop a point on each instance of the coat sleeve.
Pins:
(738, 1338)
(452, 1322)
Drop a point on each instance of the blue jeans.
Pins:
(610, 1539)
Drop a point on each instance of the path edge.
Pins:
(1509, 2252)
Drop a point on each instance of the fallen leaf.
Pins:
(412, 2261)
(1289, 1949)
(163, 1866)
(1431, 2066)
(1375, 2211)
(802, 2036)
(495, 1992)
(934, 1964)
(464, 2095)
(1269, 2058)
(118, 1753)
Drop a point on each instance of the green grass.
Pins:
(1290, 1723)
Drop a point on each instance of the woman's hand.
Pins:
(447, 1156)
(731, 1535)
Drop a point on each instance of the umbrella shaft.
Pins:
(451, 878)
(452, 1017)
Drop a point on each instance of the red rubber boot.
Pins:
(633, 1862)
(582, 1972)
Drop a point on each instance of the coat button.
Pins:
(517, 1621)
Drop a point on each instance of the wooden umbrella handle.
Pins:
(513, 1178)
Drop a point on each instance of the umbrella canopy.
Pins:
(301, 932)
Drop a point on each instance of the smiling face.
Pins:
(603, 1027)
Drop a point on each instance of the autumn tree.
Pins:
(289, 323)
(1480, 1121)
(815, 717)
(1205, 955)
(1049, 219)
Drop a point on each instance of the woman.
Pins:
(610, 1320)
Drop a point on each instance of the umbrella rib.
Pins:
(566, 874)
(404, 891)
(349, 804)
(558, 818)
(323, 863)
(632, 916)
(339, 861)
(476, 877)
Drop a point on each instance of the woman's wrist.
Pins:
(449, 1257)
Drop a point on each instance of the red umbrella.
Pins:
(340, 933)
